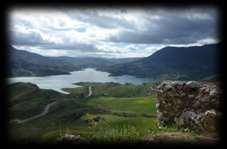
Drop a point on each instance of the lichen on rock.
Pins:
(191, 104)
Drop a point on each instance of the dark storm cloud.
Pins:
(35, 39)
(30, 38)
(103, 21)
(173, 28)
(113, 31)
(71, 46)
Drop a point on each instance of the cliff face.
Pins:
(194, 105)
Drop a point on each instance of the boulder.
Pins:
(208, 121)
(189, 104)
(70, 138)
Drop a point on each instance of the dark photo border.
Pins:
(6, 6)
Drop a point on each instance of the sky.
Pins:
(110, 32)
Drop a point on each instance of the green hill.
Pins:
(110, 115)
(175, 63)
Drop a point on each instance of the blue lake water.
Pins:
(58, 82)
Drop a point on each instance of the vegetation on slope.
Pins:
(24, 63)
(101, 117)
(178, 63)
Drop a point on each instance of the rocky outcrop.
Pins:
(190, 104)
(70, 138)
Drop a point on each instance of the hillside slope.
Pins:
(23, 63)
(183, 63)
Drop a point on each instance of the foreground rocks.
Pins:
(192, 104)
(70, 138)
(178, 137)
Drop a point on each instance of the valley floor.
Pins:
(106, 112)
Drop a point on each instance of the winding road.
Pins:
(89, 91)
(45, 111)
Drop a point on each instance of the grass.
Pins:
(111, 89)
(101, 117)
(32, 103)
(133, 104)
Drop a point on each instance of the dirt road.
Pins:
(89, 91)
(44, 112)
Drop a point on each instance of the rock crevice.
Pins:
(189, 104)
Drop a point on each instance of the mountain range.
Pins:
(179, 63)
(24, 63)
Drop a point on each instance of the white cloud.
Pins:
(37, 50)
(117, 32)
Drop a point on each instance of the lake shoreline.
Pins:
(59, 82)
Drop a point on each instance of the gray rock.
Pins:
(188, 104)
(208, 121)
(193, 84)
(70, 137)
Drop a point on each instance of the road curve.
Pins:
(89, 91)
(44, 112)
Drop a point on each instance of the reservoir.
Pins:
(58, 82)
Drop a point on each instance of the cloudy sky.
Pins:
(112, 33)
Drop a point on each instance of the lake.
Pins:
(58, 82)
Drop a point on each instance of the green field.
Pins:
(113, 112)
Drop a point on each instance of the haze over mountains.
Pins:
(73, 39)
(182, 63)
(23, 63)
